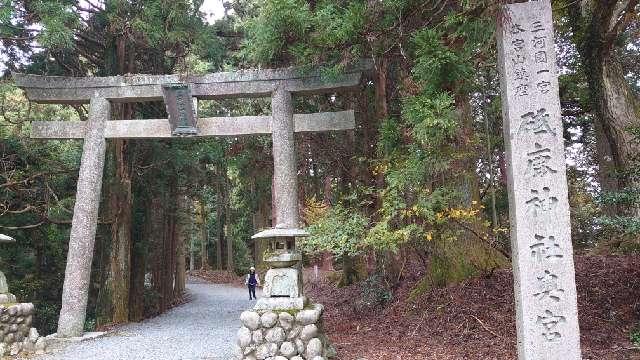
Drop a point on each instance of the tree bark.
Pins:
(115, 299)
(181, 253)
(138, 271)
(169, 250)
(156, 243)
(192, 254)
(229, 250)
(139, 247)
(597, 25)
(220, 221)
(204, 238)
(117, 282)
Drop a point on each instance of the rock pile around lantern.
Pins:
(16, 333)
(283, 334)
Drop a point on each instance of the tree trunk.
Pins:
(138, 271)
(170, 251)
(139, 248)
(220, 222)
(192, 254)
(261, 220)
(156, 244)
(618, 110)
(229, 250)
(181, 237)
(113, 304)
(388, 263)
(597, 25)
(115, 298)
(204, 238)
(122, 202)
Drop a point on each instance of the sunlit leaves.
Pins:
(58, 21)
(279, 23)
(339, 232)
(433, 118)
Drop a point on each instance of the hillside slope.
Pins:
(476, 319)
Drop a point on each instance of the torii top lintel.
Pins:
(138, 88)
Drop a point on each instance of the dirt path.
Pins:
(204, 328)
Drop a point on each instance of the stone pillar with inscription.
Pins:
(544, 275)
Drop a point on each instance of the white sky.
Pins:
(212, 9)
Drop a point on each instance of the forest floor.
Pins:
(476, 319)
(218, 277)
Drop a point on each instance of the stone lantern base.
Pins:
(280, 303)
(16, 334)
(283, 334)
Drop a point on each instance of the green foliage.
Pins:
(278, 23)
(625, 224)
(584, 210)
(339, 232)
(417, 145)
(58, 22)
(437, 65)
(634, 335)
(390, 137)
(432, 118)
(374, 293)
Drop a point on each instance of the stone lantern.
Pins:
(283, 281)
(5, 296)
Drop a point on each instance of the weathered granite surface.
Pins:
(545, 290)
(134, 88)
(277, 232)
(16, 334)
(4, 287)
(285, 173)
(296, 335)
(281, 303)
(286, 282)
(218, 126)
(84, 222)
(7, 298)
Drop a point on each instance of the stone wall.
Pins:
(282, 335)
(16, 333)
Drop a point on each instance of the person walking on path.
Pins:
(252, 281)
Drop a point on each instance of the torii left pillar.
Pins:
(84, 223)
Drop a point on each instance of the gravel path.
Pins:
(204, 328)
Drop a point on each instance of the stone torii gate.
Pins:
(100, 92)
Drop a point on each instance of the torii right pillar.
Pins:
(542, 252)
(283, 287)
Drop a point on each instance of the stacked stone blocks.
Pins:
(16, 333)
(283, 335)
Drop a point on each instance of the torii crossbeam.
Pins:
(99, 92)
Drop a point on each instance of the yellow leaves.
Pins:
(462, 213)
(413, 211)
(501, 230)
(380, 168)
(314, 210)
(429, 236)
